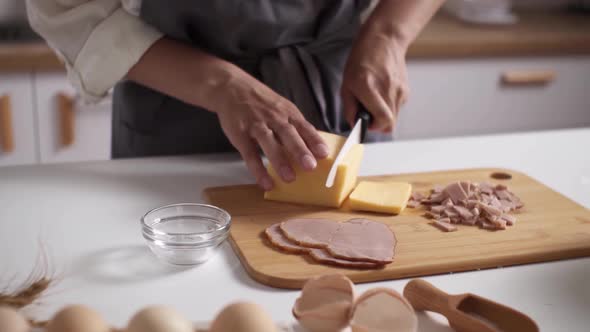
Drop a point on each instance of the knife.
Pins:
(356, 136)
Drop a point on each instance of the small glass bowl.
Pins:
(186, 233)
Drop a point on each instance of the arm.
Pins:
(98, 40)
(375, 73)
(251, 114)
(103, 41)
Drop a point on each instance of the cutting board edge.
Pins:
(467, 266)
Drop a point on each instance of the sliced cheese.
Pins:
(383, 197)
(309, 186)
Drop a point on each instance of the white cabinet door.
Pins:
(467, 97)
(74, 132)
(17, 127)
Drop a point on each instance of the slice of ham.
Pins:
(279, 240)
(323, 256)
(413, 204)
(444, 225)
(510, 220)
(455, 192)
(314, 233)
(363, 240)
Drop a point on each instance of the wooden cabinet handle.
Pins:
(66, 119)
(528, 77)
(6, 132)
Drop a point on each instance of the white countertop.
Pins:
(86, 216)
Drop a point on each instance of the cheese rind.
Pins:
(383, 197)
(309, 186)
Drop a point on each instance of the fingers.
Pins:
(379, 108)
(349, 102)
(265, 138)
(249, 153)
(312, 138)
(295, 145)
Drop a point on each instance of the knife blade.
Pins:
(356, 136)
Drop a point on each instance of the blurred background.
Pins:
(479, 67)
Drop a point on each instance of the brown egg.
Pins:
(383, 310)
(243, 317)
(12, 321)
(159, 319)
(325, 303)
(77, 318)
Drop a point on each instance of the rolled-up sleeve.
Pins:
(98, 40)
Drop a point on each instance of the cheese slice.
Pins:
(309, 186)
(383, 197)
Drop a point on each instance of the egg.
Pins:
(325, 303)
(383, 310)
(12, 321)
(77, 318)
(243, 317)
(159, 319)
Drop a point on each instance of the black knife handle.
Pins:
(366, 119)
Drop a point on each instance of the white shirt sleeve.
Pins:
(98, 40)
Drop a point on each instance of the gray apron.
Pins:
(296, 47)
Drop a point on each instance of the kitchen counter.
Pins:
(536, 33)
(85, 217)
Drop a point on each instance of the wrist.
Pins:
(389, 32)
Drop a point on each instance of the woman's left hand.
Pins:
(375, 75)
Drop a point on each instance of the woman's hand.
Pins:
(375, 75)
(252, 115)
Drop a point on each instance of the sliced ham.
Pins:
(363, 240)
(438, 188)
(444, 226)
(455, 192)
(490, 210)
(356, 243)
(279, 240)
(438, 209)
(435, 198)
(463, 212)
(431, 215)
(413, 204)
(323, 256)
(314, 233)
(470, 203)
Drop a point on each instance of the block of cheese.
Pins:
(309, 186)
(383, 197)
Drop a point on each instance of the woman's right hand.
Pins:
(252, 115)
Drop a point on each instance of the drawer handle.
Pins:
(66, 119)
(6, 132)
(528, 77)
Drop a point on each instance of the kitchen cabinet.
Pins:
(17, 120)
(70, 130)
(468, 96)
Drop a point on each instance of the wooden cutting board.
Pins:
(549, 227)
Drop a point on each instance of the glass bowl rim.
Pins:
(222, 227)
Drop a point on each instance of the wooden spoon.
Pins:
(468, 312)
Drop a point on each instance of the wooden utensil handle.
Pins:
(424, 296)
(66, 119)
(6, 131)
(528, 77)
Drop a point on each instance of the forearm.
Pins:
(401, 20)
(188, 74)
